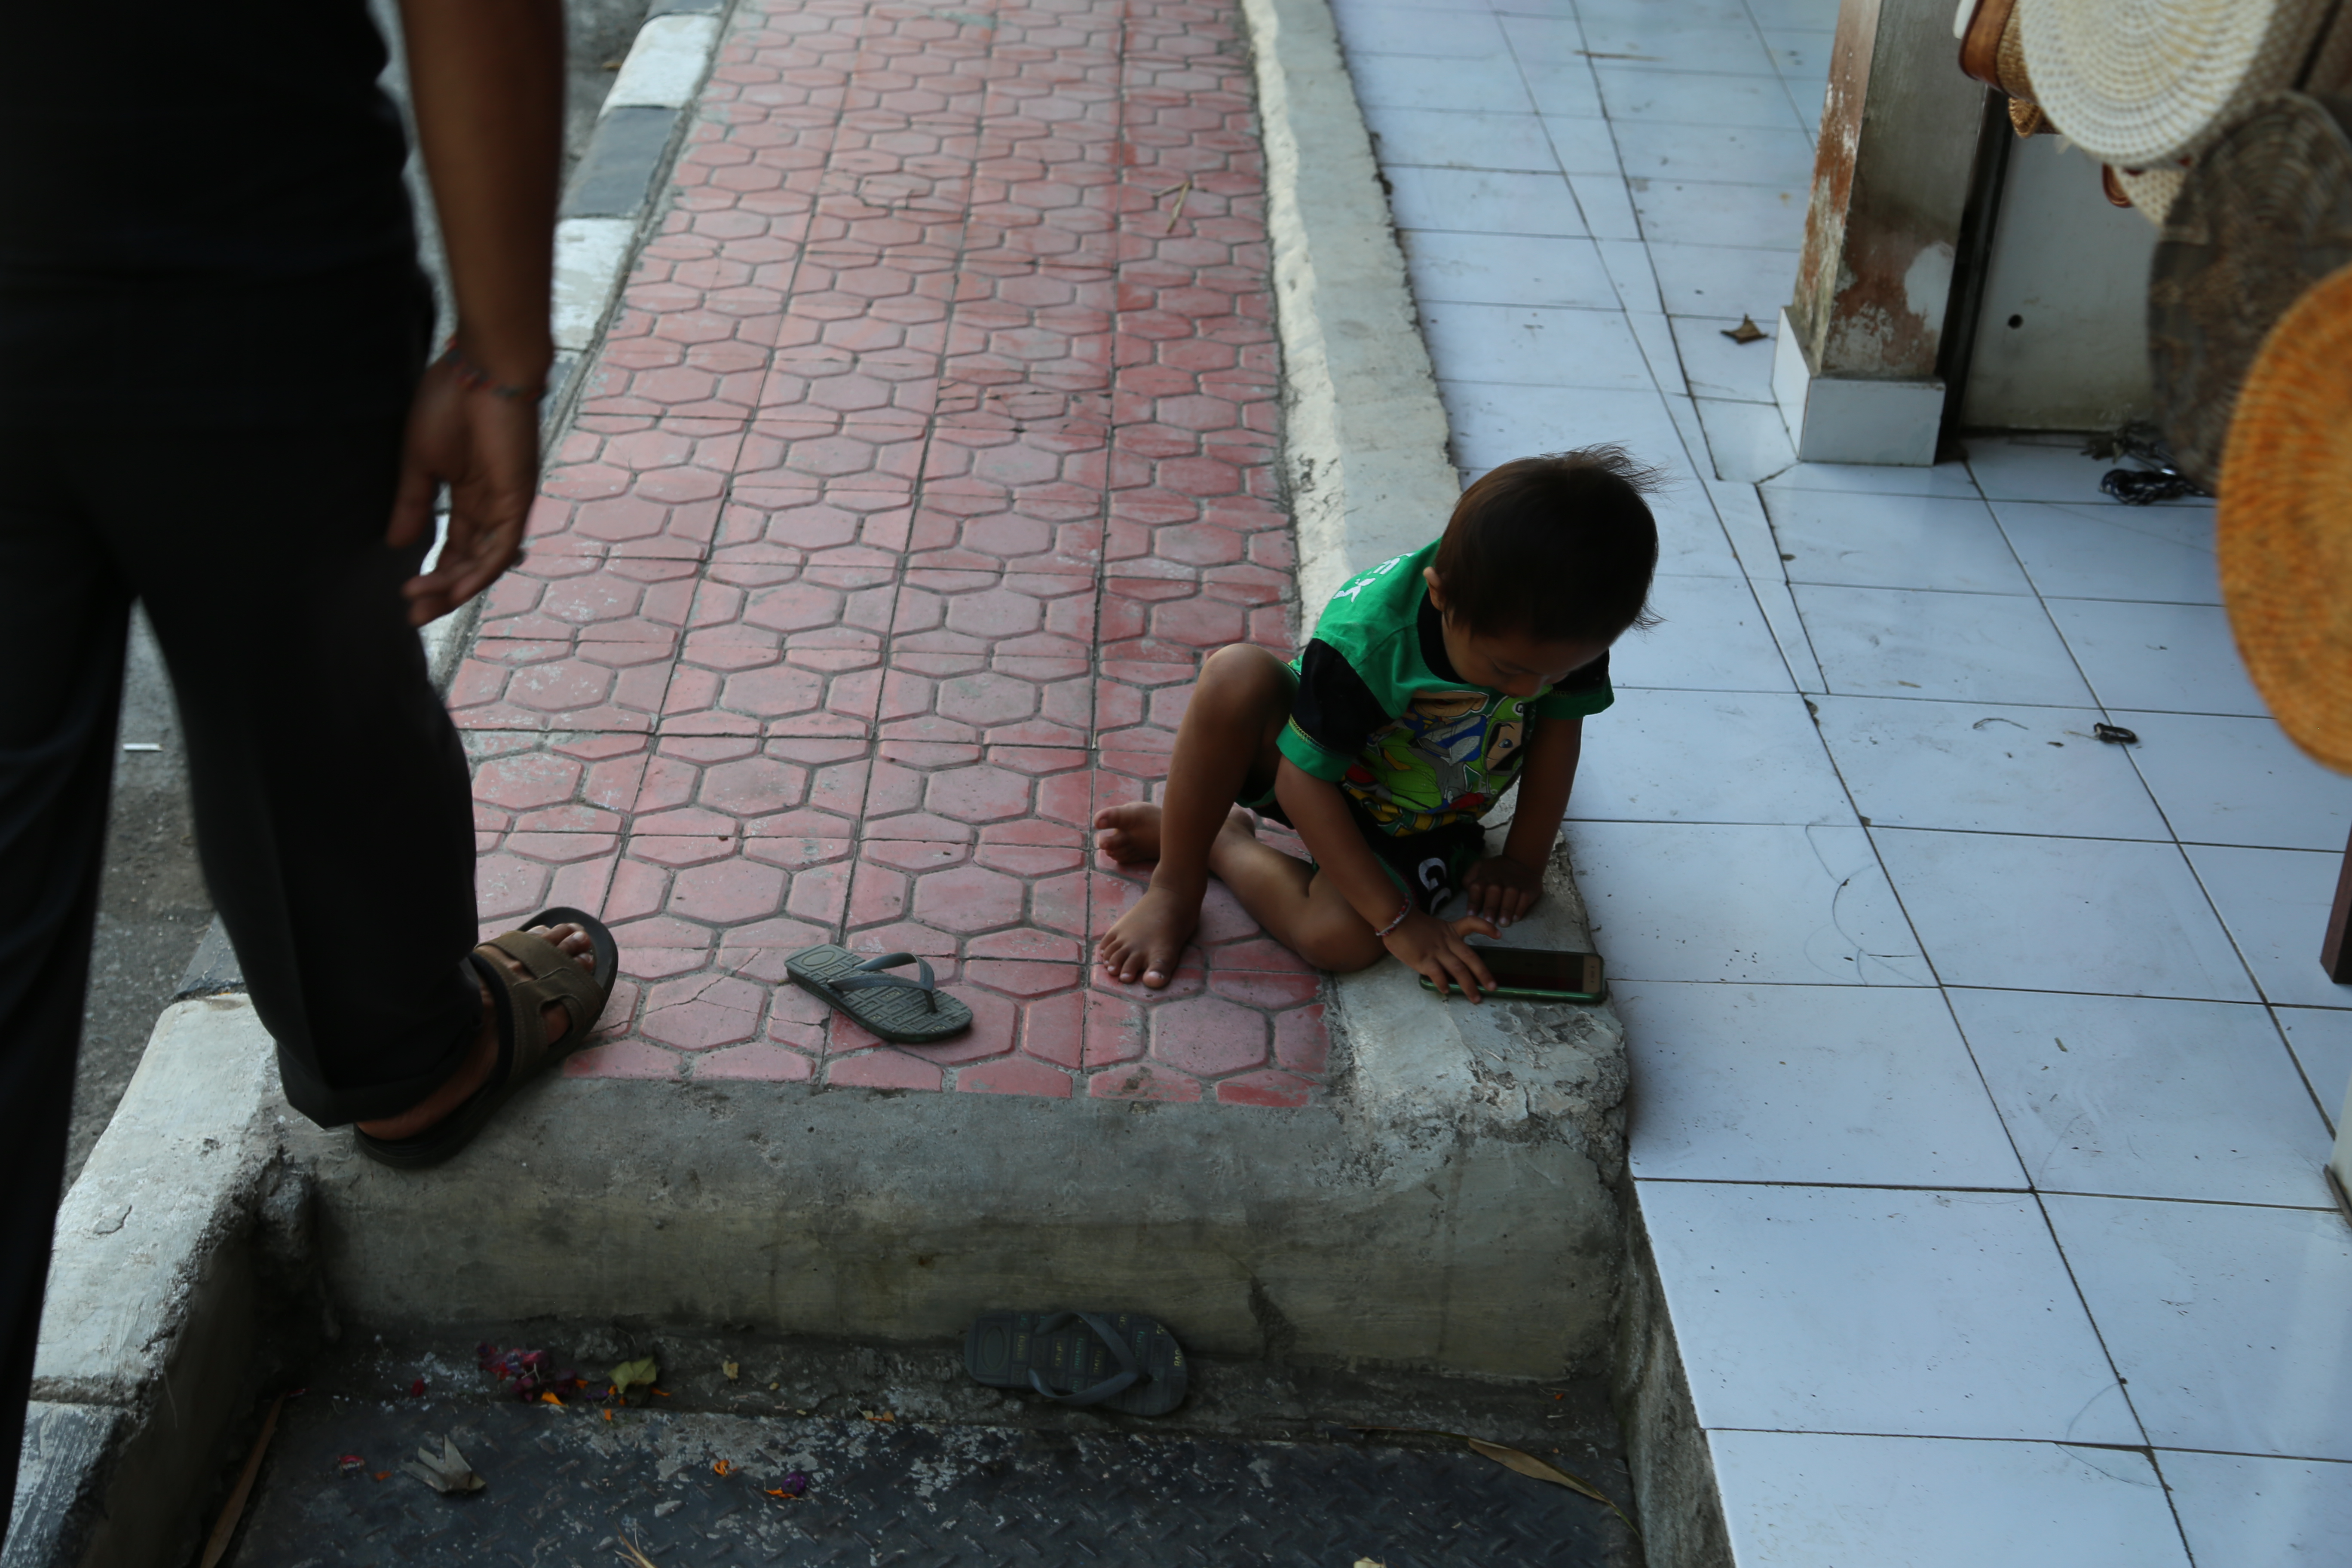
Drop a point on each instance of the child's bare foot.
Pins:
(1146, 943)
(1130, 833)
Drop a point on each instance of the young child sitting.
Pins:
(1434, 682)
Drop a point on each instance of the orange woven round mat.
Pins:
(2285, 527)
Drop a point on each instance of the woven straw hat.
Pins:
(2285, 531)
(2139, 83)
(2265, 213)
(2153, 191)
(1992, 50)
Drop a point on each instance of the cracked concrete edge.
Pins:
(1364, 445)
(1365, 459)
(883, 1217)
(1666, 1451)
(152, 1313)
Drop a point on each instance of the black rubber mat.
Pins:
(567, 1487)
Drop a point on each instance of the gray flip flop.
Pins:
(1120, 1361)
(902, 1011)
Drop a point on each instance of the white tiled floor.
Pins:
(1876, 1309)
(2241, 1512)
(1977, 767)
(1806, 1500)
(1860, 866)
(1953, 647)
(1755, 1083)
(2147, 1098)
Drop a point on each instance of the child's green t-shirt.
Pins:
(1380, 712)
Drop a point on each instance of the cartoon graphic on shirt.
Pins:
(1449, 754)
(1366, 578)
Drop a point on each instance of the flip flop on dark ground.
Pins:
(902, 1011)
(1119, 1361)
(524, 1050)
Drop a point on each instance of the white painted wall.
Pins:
(2072, 270)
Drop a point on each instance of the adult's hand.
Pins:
(486, 80)
(484, 447)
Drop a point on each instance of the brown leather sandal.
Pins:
(524, 1050)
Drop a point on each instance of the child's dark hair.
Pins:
(1560, 548)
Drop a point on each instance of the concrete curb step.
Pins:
(1455, 1204)
(610, 200)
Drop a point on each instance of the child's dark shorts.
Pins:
(1429, 865)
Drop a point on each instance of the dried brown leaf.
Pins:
(1528, 1464)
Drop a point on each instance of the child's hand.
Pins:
(1503, 888)
(1434, 947)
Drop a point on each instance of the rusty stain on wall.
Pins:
(1834, 164)
(1887, 316)
(1890, 181)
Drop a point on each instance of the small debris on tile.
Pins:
(1747, 333)
(640, 1372)
(2115, 734)
(525, 1373)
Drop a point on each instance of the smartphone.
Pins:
(1539, 974)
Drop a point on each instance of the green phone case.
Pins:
(1525, 993)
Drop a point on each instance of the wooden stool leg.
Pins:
(2335, 953)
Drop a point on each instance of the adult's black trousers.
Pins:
(330, 793)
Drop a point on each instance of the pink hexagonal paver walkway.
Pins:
(930, 449)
